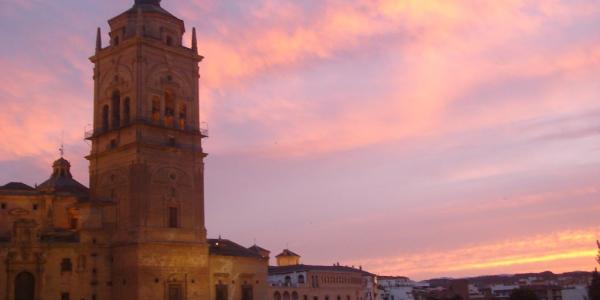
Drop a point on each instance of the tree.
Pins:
(594, 288)
(523, 294)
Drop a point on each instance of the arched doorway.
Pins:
(24, 286)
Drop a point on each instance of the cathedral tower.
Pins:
(147, 155)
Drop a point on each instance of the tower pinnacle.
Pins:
(98, 40)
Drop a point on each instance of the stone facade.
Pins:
(291, 280)
(138, 232)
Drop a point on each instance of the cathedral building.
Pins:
(138, 231)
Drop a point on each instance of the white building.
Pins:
(396, 288)
(575, 292)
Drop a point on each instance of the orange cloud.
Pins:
(559, 251)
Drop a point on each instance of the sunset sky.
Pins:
(420, 138)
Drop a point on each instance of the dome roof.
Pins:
(151, 2)
(152, 6)
(61, 181)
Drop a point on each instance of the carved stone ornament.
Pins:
(18, 212)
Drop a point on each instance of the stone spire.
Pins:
(194, 40)
(98, 40)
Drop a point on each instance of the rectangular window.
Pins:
(247, 292)
(221, 292)
(66, 265)
(175, 292)
(173, 217)
(73, 223)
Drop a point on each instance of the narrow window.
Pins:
(182, 116)
(105, 112)
(247, 292)
(221, 292)
(169, 108)
(116, 109)
(116, 41)
(169, 41)
(127, 111)
(35, 207)
(155, 109)
(173, 215)
(74, 223)
(301, 279)
(66, 265)
(3, 205)
(65, 296)
(175, 292)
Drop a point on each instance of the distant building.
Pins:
(396, 288)
(546, 292)
(290, 280)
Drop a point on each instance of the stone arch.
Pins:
(124, 72)
(295, 296)
(286, 295)
(277, 295)
(159, 71)
(25, 286)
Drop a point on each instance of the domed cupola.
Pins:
(150, 2)
(61, 181)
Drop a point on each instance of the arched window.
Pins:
(286, 296)
(155, 109)
(295, 296)
(169, 41)
(169, 108)
(288, 281)
(182, 116)
(127, 111)
(277, 296)
(105, 112)
(116, 109)
(25, 286)
(301, 279)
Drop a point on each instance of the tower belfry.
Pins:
(147, 154)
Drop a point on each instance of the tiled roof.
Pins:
(274, 270)
(16, 186)
(228, 248)
(287, 252)
(262, 252)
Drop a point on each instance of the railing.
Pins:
(203, 129)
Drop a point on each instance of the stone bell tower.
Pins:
(147, 155)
